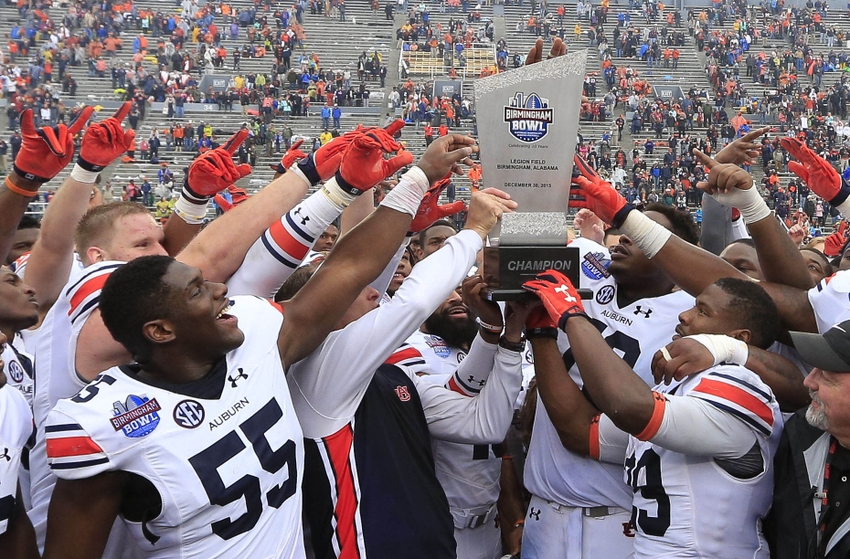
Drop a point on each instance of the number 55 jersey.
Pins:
(216, 464)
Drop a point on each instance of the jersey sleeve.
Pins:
(830, 300)
(722, 416)
(334, 378)
(281, 248)
(409, 359)
(483, 419)
(472, 373)
(15, 428)
(71, 452)
(84, 294)
(607, 442)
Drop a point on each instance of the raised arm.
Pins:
(360, 256)
(690, 267)
(780, 258)
(53, 254)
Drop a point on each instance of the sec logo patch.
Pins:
(605, 295)
(189, 414)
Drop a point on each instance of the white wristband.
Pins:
(295, 169)
(649, 236)
(724, 349)
(82, 175)
(191, 213)
(336, 195)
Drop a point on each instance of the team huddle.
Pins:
(223, 390)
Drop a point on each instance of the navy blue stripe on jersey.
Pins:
(82, 310)
(736, 380)
(274, 253)
(743, 417)
(79, 464)
(63, 427)
(303, 234)
(466, 386)
(89, 275)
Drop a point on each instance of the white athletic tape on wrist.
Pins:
(82, 175)
(190, 212)
(724, 349)
(753, 208)
(408, 193)
(337, 196)
(665, 354)
(649, 236)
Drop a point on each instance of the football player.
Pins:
(698, 454)
(205, 361)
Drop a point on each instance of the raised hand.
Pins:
(472, 293)
(743, 150)
(323, 163)
(821, 177)
(46, 151)
(444, 154)
(105, 141)
(595, 194)
(558, 294)
(535, 54)
(292, 156)
(363, 164)
(734, 187)
(485, 209)
(589, 226)
(430, 209)
(215, 170)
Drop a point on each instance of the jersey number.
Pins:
(207, 462)
(90, 390)
(651, 490)
(624, 343)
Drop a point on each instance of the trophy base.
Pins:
(523, 295)
(506, 268)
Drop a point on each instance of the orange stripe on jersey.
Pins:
(277, 306)
(455, 387)
(593, 438)
(71, 446)
(402, 355)
(85, 290)
(289, 244)
(737, 396)
(655, 421)
(339, 451)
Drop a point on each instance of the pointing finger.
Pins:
(705, 160)
(122, 111)
(233, 143)
(81, 121)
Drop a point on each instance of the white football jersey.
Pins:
(15, 429)
(468, 473)
(635, 332)
(222, 473)
(686, 505)
(18, 367)
(55, 349)
(830, 300)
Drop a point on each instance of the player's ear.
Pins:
(158, 331)
(741, 334)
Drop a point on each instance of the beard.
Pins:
(457, 333)
(817, 416)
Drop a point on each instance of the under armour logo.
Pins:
(535, 514)
(304, 219)
(564, 289)
(471, 379)
(6, 455)
(645, 313)
(233, 380)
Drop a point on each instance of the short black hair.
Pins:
(134, 295)
(829, 269)
(29, 222)
(683, 222)
(753, 308)
(297, 280)
(438, 223)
